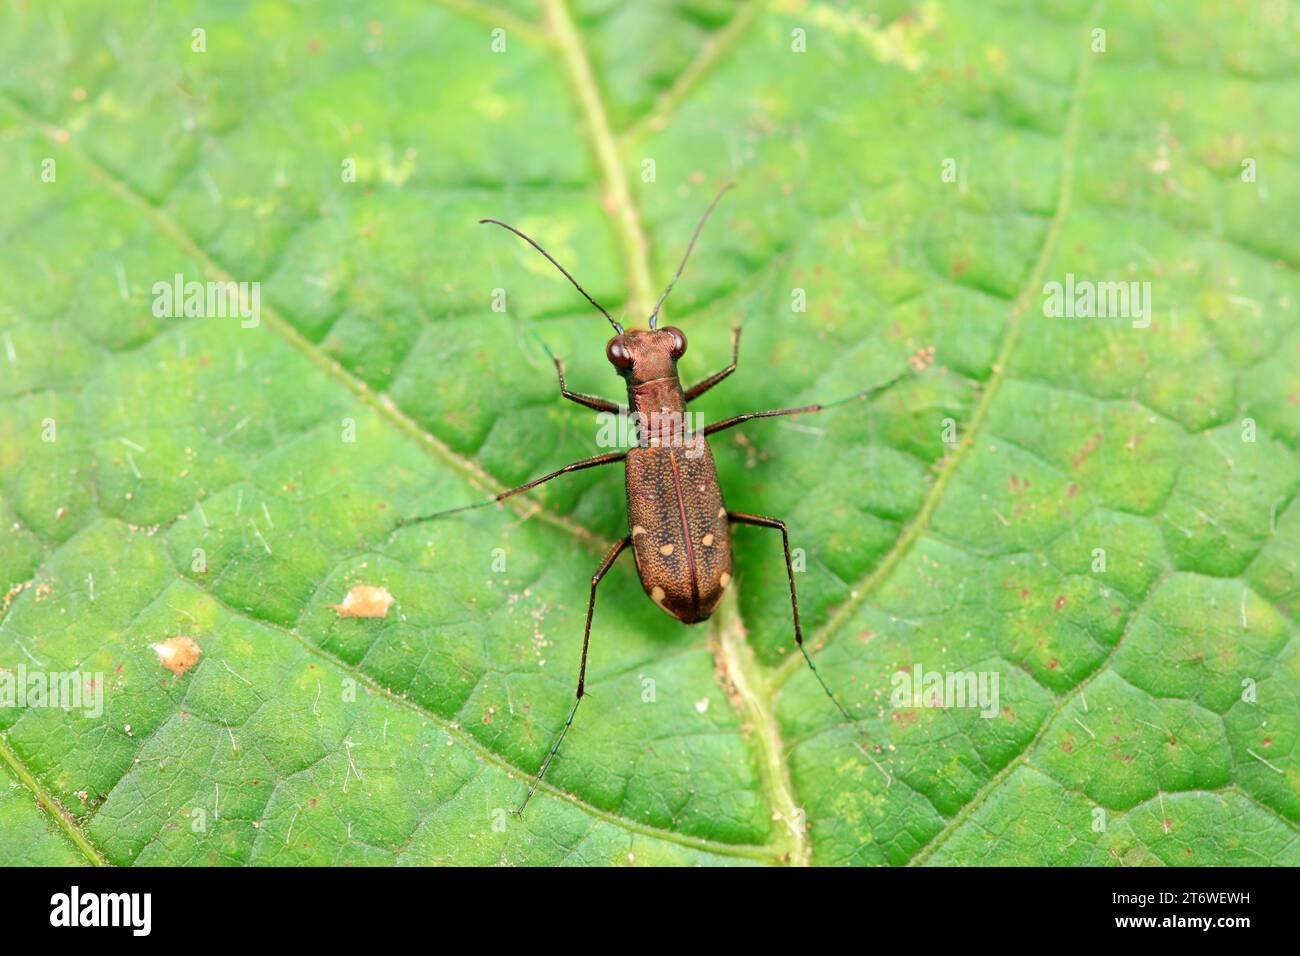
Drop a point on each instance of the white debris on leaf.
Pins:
(364, 600)
(178, 654)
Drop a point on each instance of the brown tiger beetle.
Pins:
(679, 526)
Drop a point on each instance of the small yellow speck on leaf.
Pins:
(364, 600)
(178, 654)
(922, 358)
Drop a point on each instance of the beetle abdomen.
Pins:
(680, 534)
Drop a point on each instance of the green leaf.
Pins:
(1098, 512)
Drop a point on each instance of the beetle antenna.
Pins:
(654, 316)
(605, 312)
(870, 392)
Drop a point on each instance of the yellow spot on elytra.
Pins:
(722, 512)
(637, 529)
(363, 600)
(666, 550)
(707, 540)
(725, 579)
(178, 654)
(657, 594)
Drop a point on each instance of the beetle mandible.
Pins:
(679, 527)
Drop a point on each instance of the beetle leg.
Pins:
(739, 419)
(591, 401)
(762, 521)
(699, 388)
(860, 396)
(605, 459)
(605, 565)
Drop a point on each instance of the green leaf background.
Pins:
(1123, 736)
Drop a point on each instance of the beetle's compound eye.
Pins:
(679, 341)
(617, 353)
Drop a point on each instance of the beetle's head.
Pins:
(642, 357)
